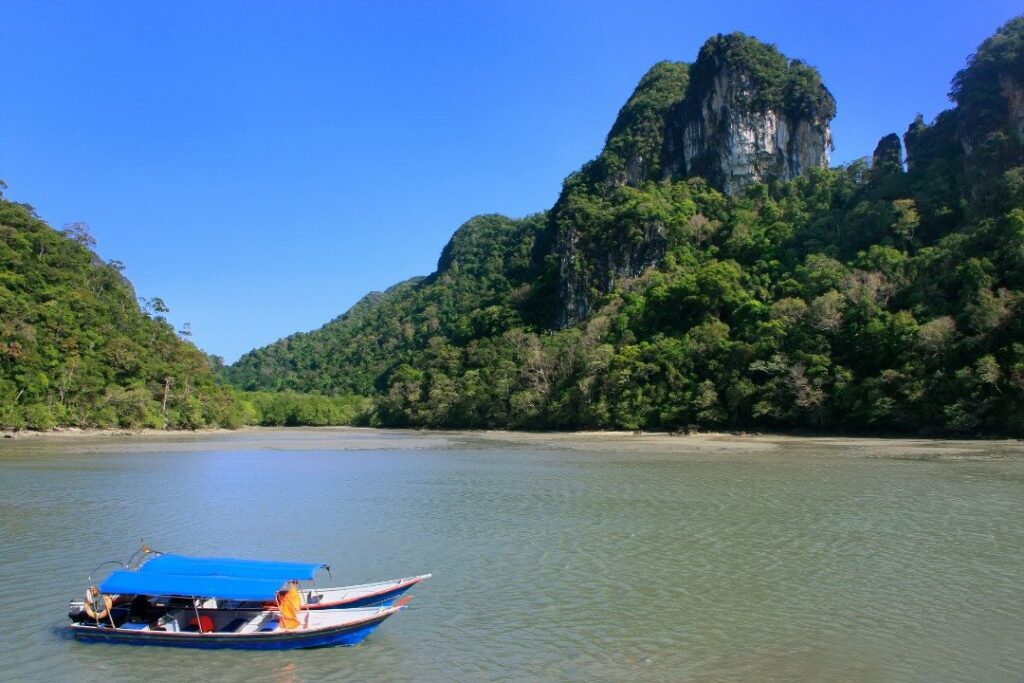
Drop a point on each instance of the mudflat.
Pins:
(640, 444)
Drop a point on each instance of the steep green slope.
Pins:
(476, 292)
(632, 152)
(858, 298)
(77, 349)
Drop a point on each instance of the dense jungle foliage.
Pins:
(778, 83)
(78, 349)
(879, 297)
(864, 298)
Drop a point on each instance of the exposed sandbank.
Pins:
(643, 444)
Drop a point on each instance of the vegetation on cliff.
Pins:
(632, 151)
(78, 349)
(775, 81)
(875, 297)
(858, 298)
(480, 290)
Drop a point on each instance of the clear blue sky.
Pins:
(262, 165)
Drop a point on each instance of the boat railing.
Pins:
(140, 556)
(101, 565)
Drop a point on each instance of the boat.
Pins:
(380, 593)
(175, 610)
(149, 561)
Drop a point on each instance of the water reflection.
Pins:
(287, 673)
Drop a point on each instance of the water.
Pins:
(554, 558)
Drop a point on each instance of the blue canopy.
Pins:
(126, 582)
(226, 566)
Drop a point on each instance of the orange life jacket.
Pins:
(291, 604)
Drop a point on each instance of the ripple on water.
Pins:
(788, 563)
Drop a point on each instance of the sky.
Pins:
(262, 165)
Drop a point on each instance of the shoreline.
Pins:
(64, 433)
(562, 446)
(615, 444)
(92, 432)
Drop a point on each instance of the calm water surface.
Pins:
(553, 559)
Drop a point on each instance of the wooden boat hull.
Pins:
(342, 597)
(347, 634)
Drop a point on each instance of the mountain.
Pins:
(477, 291)
(742, 114)
(76, 347)
(709, 269)
(78, 350)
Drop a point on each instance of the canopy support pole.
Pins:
(195, 606)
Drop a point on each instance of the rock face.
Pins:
(754, 116)
(633, 149)
(888, 152)
(742, 113)
(888, 155)
(734, 148)
(631, 156)
(583, 266)
(989, 93)
(1013, 91)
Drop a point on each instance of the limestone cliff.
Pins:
(750, 115)
(742, 113)
(968, 161)
(591, 253)
(989, 92)
(633, 150)
(1013, 91)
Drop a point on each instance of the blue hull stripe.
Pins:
(351, 634)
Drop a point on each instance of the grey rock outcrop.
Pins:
(735, 133)
(741, 114)
(585, 268)
(888, 156)
(1013, 91)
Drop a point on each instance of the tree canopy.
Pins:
(862, 298)
(871, 297)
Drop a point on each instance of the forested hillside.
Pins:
(77, 349)
(478, 291)
(882, 296)
(708, 269)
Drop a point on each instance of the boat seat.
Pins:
(233, 626)
(134, 626)
(270, 625)
(193, 626)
